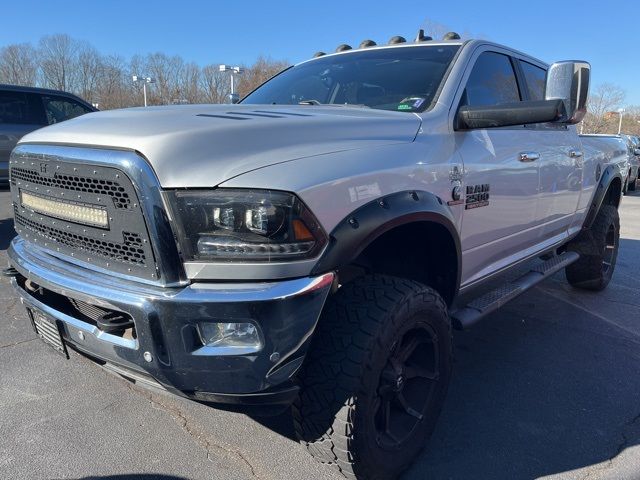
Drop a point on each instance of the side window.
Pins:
(19, 108)
(492, 81)
(59, 109)
(536, 79)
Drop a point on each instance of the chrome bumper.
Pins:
(167, 347)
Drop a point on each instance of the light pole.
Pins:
(233, 71)
(144, 80)
(621, 112)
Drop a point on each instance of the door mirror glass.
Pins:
(569, 81)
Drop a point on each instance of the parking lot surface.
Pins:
(548, 387)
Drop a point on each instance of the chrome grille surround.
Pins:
(121, 182)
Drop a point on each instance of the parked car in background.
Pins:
(24, 109)
(633, 143)
(617, 146)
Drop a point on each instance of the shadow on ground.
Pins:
(150, 476)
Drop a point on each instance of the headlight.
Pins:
(249, 225)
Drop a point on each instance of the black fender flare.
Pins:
(610, 173)
(358, 230)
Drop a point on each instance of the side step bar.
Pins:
(470, 314)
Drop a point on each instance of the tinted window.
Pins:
(59, 109)
(535, 77)
(19, 107)
(403, 79)
(492, 81)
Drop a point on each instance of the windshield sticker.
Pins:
(411, 103)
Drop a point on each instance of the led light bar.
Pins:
(65, 211)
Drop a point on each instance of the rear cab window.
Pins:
(535, 78)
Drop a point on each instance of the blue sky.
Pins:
(605, 33)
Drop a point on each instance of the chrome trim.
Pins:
(105, 291)
(211, 351)
(148, 189)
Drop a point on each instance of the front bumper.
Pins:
(166, 347)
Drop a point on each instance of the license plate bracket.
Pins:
(48, 330)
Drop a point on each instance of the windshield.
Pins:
(402, 79)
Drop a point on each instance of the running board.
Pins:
(470, 314)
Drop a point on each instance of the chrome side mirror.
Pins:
(569, 81)
(636, 151)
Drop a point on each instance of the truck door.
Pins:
(561, 164)
(501, 172)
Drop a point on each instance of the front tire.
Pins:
(598, 249)
(376, 376)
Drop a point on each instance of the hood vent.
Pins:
(228, 117)
(253, 114)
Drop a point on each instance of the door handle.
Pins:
(529, 156)
(575, 153)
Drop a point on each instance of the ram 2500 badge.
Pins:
(314, 245)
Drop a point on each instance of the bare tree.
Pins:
(214, 84)
(166, 72)
(18, 64)
(114, 88)
(631, 120)
(604, 100)
(58, 59)
(189, 83)
(88, 68)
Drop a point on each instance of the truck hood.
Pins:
(204, 145)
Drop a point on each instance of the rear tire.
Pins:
(598, 249)
(375, 378)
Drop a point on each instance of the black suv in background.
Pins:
(24, 109)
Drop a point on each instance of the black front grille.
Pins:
(122, 247)
(129, 251)
(97, 186)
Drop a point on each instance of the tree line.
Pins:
(61, 62)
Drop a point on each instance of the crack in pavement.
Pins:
(197, 434)
(18, 343)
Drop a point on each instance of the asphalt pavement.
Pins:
(548, 387)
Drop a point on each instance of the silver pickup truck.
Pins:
(314, 245)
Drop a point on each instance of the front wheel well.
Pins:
(421, 251)
(614, 193)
